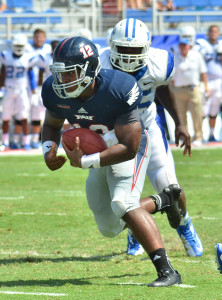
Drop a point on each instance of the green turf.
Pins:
(49, 242)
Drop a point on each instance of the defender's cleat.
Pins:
(190, 239)
(218, 252)
(166, 278)
(133, 247)
(173, 211)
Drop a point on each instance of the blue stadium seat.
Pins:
(144, 16)
(179, 19)
(200, 3)
(181, 3)
(210, 18)
(216, 2)
(20, 4)
(3, 20)
(32, 20)
(173, 19)
(53, 20)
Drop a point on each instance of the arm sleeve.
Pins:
(128, 118)
(32, 79)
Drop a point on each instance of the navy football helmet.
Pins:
(76, 55)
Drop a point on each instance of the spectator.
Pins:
(161, 5)
(190, 69)
(210, 50)
(3, 5)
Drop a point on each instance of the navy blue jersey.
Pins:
(118, 93)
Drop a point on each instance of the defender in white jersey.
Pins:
(210, 49)
(16, 76)
(153, 69)
(38, 47)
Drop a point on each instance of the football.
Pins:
(90, 141)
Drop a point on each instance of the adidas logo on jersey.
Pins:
(82, 111)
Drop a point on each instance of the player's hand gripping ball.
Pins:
(90, 141)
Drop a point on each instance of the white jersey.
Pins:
(17, 68)
(159, 71)
(46, 49)
(209, 52)
(44, 63)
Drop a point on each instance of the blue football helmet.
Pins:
(78, 55)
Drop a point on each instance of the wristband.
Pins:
(46, 147)
(90, 161)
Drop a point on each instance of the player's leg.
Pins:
(22, 114)
(126, 184)
(37, 116)
(161, 172)
(99, 201)
(195, 107)
(214, 105)
(7, 113)
(214, 110)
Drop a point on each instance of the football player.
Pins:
(153, 69)
(16, 73)
(211, 51)
(106, 101)
(38, 47)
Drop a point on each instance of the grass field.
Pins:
(50, 247)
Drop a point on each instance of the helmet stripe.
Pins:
(134, 28)
(127, 27)
(130, 28)
(66, 40)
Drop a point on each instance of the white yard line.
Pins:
(35, 294)
(34, 213)
(12, 198)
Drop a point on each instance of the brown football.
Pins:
(90, 141)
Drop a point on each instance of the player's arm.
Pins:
(51, 135)
(166, 97)
(129, 137)
(128, 132)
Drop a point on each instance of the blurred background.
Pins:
(61, 18)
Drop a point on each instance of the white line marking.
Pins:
(206, 218)
(29, 253)
(33, 213)
(131, 283)
(136, 283)
(12, 198)
(37, 294)
(185, 286)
